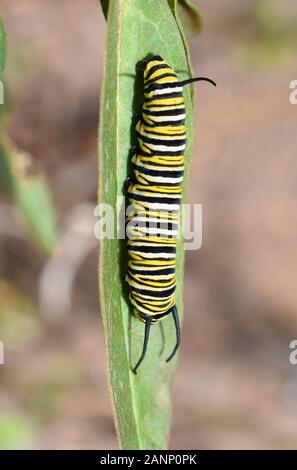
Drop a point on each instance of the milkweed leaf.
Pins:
(142, 403)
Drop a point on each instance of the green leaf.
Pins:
(2, 48)
(142, 403)
(21, 177)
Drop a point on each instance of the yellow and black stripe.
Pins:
(154, 194)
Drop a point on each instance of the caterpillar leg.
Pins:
(177, 329)
(133, 151)
(136, 118)
(128, 181)
(145, 343)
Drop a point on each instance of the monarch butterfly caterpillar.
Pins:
(154, 194)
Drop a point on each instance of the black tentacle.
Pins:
(145, 343)
(197, 79)
(177, 329)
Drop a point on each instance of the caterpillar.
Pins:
(154, 194)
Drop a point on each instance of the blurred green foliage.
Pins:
(24, 180)
(15, 431)
(104, 6)
(273, 35)
(2, 63)
(2, 48)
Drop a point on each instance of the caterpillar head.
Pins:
(142, 65)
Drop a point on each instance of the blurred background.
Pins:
(235, 386)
